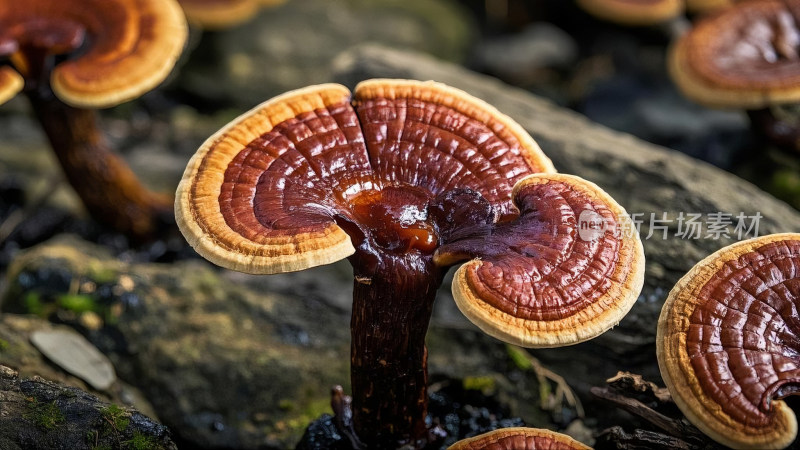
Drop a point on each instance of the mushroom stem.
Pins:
(392, 303)
(108, 188)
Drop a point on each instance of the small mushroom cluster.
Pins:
(729, 342)
(70, 57)
(406, 179)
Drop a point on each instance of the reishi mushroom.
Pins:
(747, 56)
(727, 342)
(743, 57)
(406, 178)
(633, 12)
(519, 438)
(77, 55)
(218, 14)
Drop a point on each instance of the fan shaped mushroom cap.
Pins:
(567, 270)
(269, 191)
(728, 342)
(519, 438)
(132, 45)
(633, 12)
(746, 56)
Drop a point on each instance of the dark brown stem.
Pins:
(392, 302)
(108, 188)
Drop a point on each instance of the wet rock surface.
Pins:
(36, 413)
(229, 361)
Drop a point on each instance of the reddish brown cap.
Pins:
(269, 191)
(566, 270)
(745, 56)
(728, 342)
(131, 45)
(218, 14)
(519, 439)
(633, 12)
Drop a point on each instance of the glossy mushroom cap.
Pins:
(519, 439)
(269, 191)
(729, 339)
(633, 12)
(743, 57)
(219, 14)
(130, 46)
(567, 270)
(404, 166)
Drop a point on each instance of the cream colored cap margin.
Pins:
(627, 281)
(673, 359)
(197, 208)
(492, 437)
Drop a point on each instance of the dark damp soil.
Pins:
(460, 412)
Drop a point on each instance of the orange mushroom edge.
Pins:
(745, 56)
(633, 12)
(406, 178)
(11, 82)
(519, 438)
(727, 342)
(219, 14)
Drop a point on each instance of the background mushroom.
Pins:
(519, 438)
(404, 179)
(728, 342)
(79, 55)
(217, 14)
(634, 12)
(745, 56)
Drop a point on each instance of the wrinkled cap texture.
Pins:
(746, 56)
(567, 270)
(219, 14)
(519, 439)
(115, 49)
(729, 339)
(633, 12)
(300, 181)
